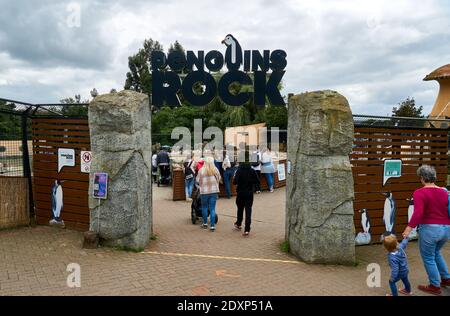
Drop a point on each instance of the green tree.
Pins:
(273, 116)
(10, 125)
(139, 78)
(407, 108)
(74, 110)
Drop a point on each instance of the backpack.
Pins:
(188, 172)
(255, 160)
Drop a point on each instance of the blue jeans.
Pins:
(269, 178)
(209, 202)
(227, 177)
(189, 186)
(393, 285)
(432, 238)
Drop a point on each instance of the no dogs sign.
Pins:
(86, 159)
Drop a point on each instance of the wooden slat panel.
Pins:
(60, 139)
(60, 127)
(38, 145)
(69, 200)
(44, 133)
(400, 150)
(76, 193)
(399, 143)
(405, 170)
(68, 208)
(415, 137)
(39, 165)
(406, 156)
(77, 185)
(63, 175)
(49, 135)
(406, 162)
(393, 131)
(60, 121)
(54, 151)
(69, 224)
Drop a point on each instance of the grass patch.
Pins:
(285, 247)
(153, 237)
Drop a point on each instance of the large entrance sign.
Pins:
(248, 67)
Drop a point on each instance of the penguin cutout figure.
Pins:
(57, 203)
(233, 54)
(413, 234)
(364, 237)
(390, 210)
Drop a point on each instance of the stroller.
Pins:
(164, 177)
(196, 207)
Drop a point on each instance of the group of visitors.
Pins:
(208, 173)
(432, 218)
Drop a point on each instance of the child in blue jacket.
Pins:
(398, 262)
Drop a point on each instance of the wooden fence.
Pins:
(48, 135)
(14, 210)
(372, 144)
(414, 147)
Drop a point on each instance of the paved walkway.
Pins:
(186, 260)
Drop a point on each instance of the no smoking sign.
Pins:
(86, 159)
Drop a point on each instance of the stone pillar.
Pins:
(120, 127)
(319, 201)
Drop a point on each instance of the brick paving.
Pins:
(186, 260)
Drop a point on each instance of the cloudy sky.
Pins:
(376, 53)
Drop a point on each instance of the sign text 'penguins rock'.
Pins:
(248, 67)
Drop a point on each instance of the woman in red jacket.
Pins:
(432, 215)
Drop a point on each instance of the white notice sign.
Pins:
(66, 157)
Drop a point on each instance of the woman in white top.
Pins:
(267, 167)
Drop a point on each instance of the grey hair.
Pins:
(427, 173)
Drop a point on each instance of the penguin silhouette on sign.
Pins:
(364, 237)
(233, 54)
(413, 234)
(389, 213)
(57, 203)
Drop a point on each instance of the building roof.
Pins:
(440, 73)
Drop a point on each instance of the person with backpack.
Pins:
(245, 180)
(189, 176)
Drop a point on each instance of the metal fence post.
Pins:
(26, 162)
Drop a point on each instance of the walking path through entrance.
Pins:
(186, 260)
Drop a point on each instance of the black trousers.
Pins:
(244, 201)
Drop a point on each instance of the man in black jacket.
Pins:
(245, 179)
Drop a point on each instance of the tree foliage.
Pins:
(407, 108)
(10, 125)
